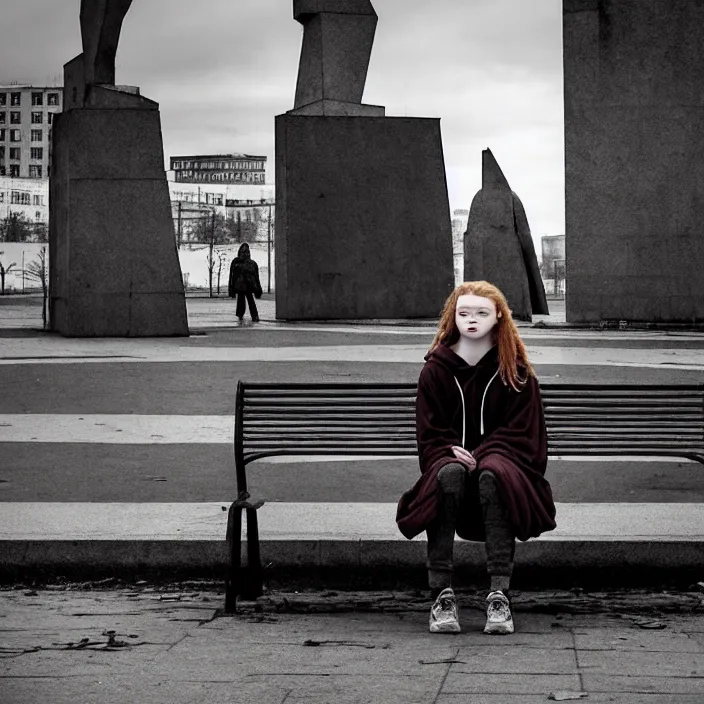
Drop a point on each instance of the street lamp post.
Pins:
(268, 252)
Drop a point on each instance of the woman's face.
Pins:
(475, 316)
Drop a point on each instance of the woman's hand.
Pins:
(464, 456)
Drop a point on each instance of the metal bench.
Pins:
(379, 419)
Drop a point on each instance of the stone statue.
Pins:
(101, 22)
(337, 45)
(498, 246)
(110, 213)
(362, 206)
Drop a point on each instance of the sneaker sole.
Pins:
(445, 628)
(499, 629)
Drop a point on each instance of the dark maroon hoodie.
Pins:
(503, 429)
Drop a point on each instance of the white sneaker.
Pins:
(443, 613)
(498, 614)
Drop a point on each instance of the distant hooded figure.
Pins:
(244, 283)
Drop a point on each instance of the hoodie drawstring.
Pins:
(481, 412)
(464, 425)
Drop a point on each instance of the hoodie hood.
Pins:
(444, 356)
(243, 252)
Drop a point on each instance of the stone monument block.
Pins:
(498, 246)
(117, 271)
(114, 267)
(362, 214)
(634, 160)
(362, 218)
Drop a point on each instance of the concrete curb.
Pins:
(377, 564)
(342, 544)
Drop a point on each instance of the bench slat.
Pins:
(622, 413)
(379, 419)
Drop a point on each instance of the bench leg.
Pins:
(233, 578)
(239, 581)
(253, 586)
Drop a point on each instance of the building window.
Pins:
(19, 198)
(36, 153)
(37, 200)
(52, 99)
(37, 214)
(16, 135)
(3, 98)
(37, 99)
(2, 196)
(2, 153)
(36, 135)
(15, 153)
(37, 118)
(35, 171)
(15, 117)
(14, 170)
(15, 98)
(49, 118)
(2, 171)
(3, 117)
(2, 135)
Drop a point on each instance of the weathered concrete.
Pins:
(498, 246)
(171, 645)
(362, 213)
(343, 544)
(634, 155)
(362, 218)
(337, 45)
(114, 268)
(101, 23)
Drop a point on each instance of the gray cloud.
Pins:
(221, 69)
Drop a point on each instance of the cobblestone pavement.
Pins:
(172, 645)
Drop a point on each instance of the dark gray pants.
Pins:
(240, 306)
(500, 542)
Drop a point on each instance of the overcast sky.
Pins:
(221, 69)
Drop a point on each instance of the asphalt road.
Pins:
(31, 471)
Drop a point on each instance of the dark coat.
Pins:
(513, 445)
(244, 274)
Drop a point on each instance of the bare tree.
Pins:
(222, 257)
(4, 270)
(37, 271)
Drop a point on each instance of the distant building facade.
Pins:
(26, 114)
(220, 168)
(247, 209)
(459, 227)
(26, 196)
(553, 263)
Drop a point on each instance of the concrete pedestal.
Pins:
(114, 264)
(634, 158)
(363, 227)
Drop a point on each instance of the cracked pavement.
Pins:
(173, 645)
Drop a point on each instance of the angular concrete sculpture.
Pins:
(114, 265)
(337, 45)
(634, 161)
(498, 246)
(362, 214)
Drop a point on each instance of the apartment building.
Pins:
(26, 114)
(28, 197)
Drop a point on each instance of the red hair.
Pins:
(513, 358)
